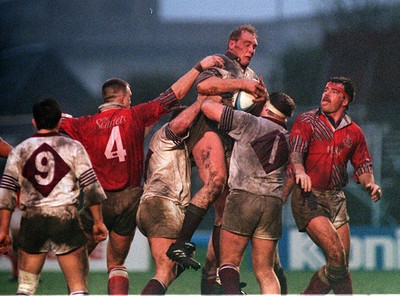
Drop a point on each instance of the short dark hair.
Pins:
(236, 33)
(348, 86)
(113, 86)
(283, 102)
(47, 113)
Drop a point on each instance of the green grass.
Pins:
(364, 282)
(371, 282)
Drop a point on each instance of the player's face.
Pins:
(244, 48)
(333, 99)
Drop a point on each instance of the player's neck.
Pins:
(47, 131)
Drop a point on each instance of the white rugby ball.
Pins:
(243, 101)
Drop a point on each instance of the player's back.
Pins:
(114, 140)
(48, 166)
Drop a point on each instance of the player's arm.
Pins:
(100, 231)
(182, 86)
(367, 181)
(302, 179)
(212, 109)
(217, 85)
(181, 123)
(5, 238)
(287, 186)
(5, 148)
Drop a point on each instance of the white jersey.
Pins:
(260, 153)
(168, 171)
(49, 170)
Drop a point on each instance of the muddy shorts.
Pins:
(55, 229)
(252, 215)
(160, 217)
(327, 203)
(119, 211)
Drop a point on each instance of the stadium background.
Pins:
(68, 48)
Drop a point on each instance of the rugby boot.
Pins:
(182, 254)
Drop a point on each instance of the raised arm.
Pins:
(181, 123)
(182, 86)
(212, 110)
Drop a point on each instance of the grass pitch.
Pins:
(53, 283)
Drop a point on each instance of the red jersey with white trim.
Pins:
(114, 138)
(48, 170)
(328, 149)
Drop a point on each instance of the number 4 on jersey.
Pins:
(119, 151)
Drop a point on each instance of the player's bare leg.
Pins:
(165, 268)
(75, 266)
(232, 247)
(345, 286)
(117, 250)
(212, 262)
(263, 257)
(280, 274)
(322, 232)
(209, 156)
(30, 266)
(209, 271)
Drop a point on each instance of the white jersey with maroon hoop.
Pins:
(49, 170)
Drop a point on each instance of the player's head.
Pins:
(337, 95)
(243, 43)
(280, 105)
(46, 114)
(117, 90)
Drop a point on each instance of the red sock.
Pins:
(344, 287)
(230, 279)
(118, 281)
(154, 287)
(317, 286)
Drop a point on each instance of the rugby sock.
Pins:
(193, 217)
(317, 285)
(118, 281)
(230, 279)
(154, 287)
(27, 283)
(340, 279)
(344, 287)
(281, 278)
(207, 281)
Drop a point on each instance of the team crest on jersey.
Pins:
(44, 169)
(347, 141)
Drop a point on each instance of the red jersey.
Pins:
(328, 150)
(114, 138)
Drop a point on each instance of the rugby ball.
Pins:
(243, 101)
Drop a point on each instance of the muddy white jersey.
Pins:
(48, 170)
(167, 171)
